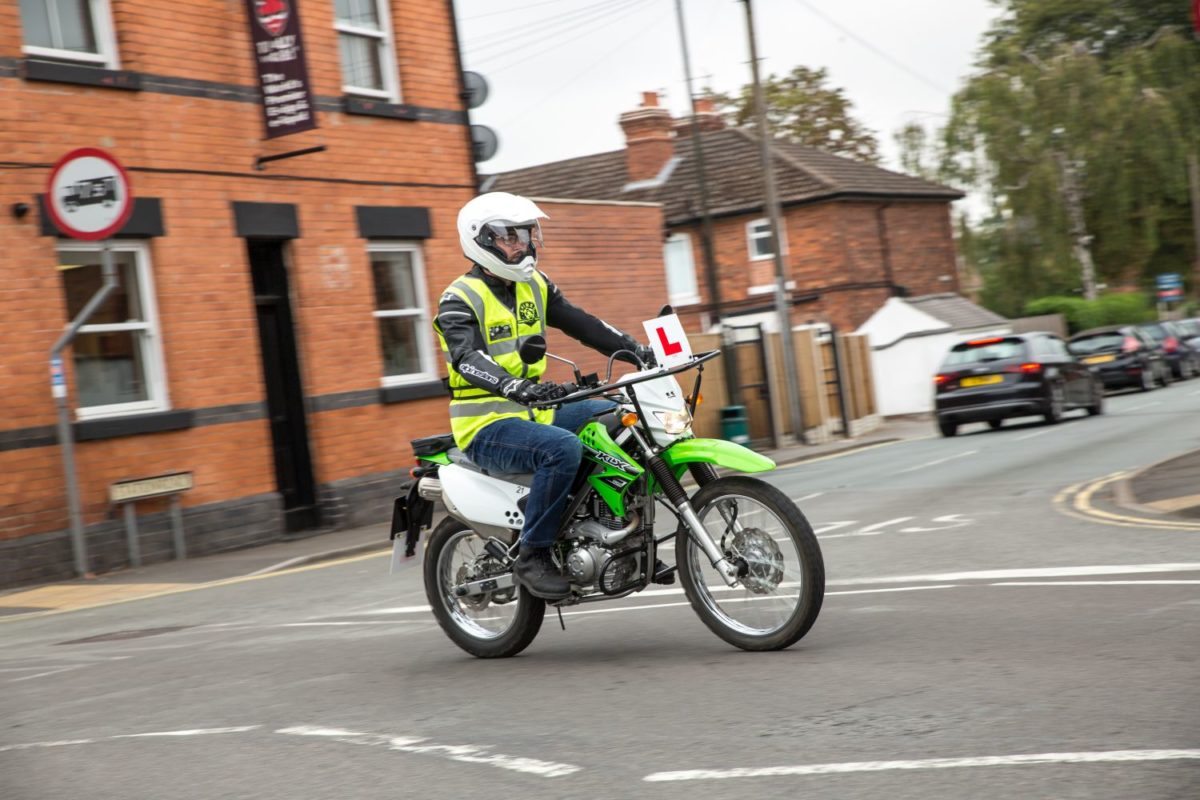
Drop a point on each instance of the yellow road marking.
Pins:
(85, 598)
(1082, 508)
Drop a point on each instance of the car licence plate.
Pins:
(981, 380)
(1099, 359)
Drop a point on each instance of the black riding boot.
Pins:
(536, 571)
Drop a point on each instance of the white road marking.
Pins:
(870, 530)
(469, 753)
(938, 461)
(1101, 757)
(1097, 583)
(826, 527)
(67, 742)
(1015, 574)
(1143, 405)
(48, 672)
(807, 497)
(1036, 433)
(955, 520)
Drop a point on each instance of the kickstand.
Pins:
(560, 619)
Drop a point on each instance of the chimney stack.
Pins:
(649, 138)
(706, 119)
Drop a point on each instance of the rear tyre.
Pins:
(489, 626)
(1147, 379)
(1097, 405)
(947, 428)
(995, 424)
(783, 583)
(1054, 405)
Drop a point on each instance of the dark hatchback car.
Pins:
(1122, 356)
(1182, 357)
(1021, 374)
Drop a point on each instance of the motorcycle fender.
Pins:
(717, 452)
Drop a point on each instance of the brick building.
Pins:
(271, 333)
(855, 234)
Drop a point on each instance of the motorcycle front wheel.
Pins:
(782, 583)
(496, 625)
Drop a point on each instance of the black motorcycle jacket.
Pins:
(465, 340)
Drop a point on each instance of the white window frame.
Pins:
(752, 236)
(683, 299)
(156, 374)
(106, 41)
(424, 327)
(387, 54)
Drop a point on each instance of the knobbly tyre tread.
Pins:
(526, 624)
(806, 543)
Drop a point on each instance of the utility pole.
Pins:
(793, 397)
(1194, 183)
(706, 229)
(1073, 198)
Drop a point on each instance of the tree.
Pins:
(1078, 125)
(801, 108)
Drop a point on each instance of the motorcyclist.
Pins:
(483, 318)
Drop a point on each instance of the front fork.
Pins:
(678, 498)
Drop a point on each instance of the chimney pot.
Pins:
(649, 99)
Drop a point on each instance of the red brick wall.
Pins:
(835, 250)
(201, 272)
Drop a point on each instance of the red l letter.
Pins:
(669, 348)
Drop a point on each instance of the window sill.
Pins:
(412, 391)
(767, 288)
(378, 108)
(116, 427)
(80, 74)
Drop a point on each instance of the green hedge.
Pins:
(1110, 309)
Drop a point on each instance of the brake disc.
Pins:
(762, 557)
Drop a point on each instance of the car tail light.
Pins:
(1031, 369)
(1170, 344)
(1130, 345)
(941, 379)
(989, 340)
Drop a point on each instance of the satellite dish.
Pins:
(484, 142)
(475, 89)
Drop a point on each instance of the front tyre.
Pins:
(497, 625)
(782, 586)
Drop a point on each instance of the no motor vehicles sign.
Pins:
(88, 195)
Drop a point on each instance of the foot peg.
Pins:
(663, 574)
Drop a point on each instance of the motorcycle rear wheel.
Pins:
(780, 594)
(476, 625)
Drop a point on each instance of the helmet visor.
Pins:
(511, 241)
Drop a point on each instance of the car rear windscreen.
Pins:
(985, 350)
(1109, 340)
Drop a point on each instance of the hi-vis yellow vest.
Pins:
(471, 408)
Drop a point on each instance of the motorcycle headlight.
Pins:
(674, 422)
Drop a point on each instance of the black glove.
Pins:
(530, 392)
(646, 353)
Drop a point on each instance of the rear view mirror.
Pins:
(533, 349)
(665, 310)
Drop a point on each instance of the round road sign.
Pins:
(88, 195)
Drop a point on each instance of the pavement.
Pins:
(1168, 490)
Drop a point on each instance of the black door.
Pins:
(285, 395)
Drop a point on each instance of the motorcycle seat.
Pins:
(461, 459)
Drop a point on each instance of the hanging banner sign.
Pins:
(282, 70)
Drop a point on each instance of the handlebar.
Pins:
(629, 380)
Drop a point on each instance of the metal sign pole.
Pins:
(66, 437)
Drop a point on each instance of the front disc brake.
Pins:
(762, 557)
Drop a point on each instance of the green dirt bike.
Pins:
(747, 558)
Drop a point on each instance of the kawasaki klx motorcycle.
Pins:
(748, 560)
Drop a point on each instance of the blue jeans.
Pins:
(551, 452)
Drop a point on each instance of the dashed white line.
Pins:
(938, 461)
(469, 753)
(1101, 757)
(1143, 405)
(807, 497)
(69, 742)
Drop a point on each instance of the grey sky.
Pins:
(561, 71)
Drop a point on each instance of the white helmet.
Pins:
(500, 232)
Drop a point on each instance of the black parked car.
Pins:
(991, 379)
(1122, 355)
(1182, 357)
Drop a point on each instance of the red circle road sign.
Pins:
(88, 195)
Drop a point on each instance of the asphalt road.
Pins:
(980, 638)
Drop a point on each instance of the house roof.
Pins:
(732, 161)
(955, 310)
